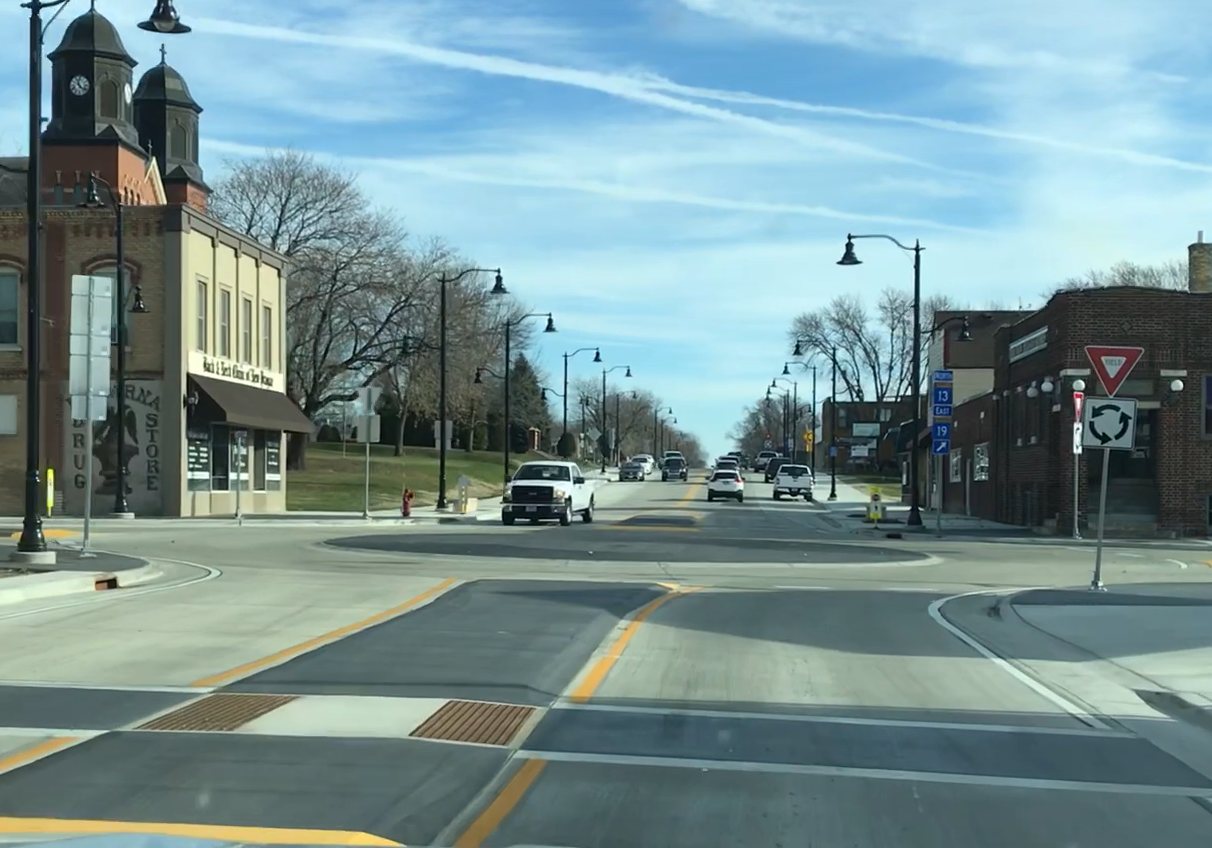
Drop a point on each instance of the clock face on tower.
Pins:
(126, 93)
(79, 85)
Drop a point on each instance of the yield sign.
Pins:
(1113, 364)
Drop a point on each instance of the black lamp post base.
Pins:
(915, 518)
(126, 513)
(32, 557)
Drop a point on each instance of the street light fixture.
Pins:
(92, 200)
(164, 19)
(849, 258)
(32, 545)
(656, 414)
(597, 357)
(606, 371)
(443, 346)
(510, 323)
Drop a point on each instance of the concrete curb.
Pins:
(33, 587)
(1191, 707)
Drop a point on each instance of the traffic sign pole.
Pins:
(1078, 399)
(1109, 424)
(942, 398)
(1096, 582)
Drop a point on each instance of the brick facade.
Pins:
(888, 414)
(1031, 469)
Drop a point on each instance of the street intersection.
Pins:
(677, 673)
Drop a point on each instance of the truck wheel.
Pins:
(710, 497)
(566, 516)
(507, 520)
(740, 498)
(777, 496)
(587, 515)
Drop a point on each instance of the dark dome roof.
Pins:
(163, 84)
(93, 33)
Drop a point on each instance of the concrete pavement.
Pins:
(469, 685)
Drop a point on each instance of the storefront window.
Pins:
(197, 459)
(259, 460)
(273, 461)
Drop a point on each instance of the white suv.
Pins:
(726, 483)
(793, 480)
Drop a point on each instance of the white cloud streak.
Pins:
(623, 87)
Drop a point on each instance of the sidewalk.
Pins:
(852, 500)
(488, 509)
(1162, 633)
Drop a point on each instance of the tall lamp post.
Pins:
(789, 415)
(93, 200)
(597, 357)
(656, 421)
(509, 325)
(606, 371)
(833, 428)
(807, 366)
(445, 281)
(848, 258)
(32, 545)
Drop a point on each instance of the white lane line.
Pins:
(122, 594)
(864, 722)
(41, 732)
(1177, 562)
(60, 684)
(935, 610)
(869, 774)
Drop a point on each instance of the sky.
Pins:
(675, 179)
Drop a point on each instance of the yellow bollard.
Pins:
(50, 491)
(875, 509)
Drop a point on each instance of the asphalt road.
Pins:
(727, 674)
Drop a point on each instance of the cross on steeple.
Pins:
(163, 55)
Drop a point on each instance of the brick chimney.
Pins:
(1199, 266)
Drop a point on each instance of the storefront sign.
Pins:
(96, 448)
(236, 372)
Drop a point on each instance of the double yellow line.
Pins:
(519, 783)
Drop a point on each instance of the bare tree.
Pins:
(874, 350)
(1167, 275)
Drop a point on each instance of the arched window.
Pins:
(107, 97)
(178, 146)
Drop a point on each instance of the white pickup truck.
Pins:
(547, 490)
(793, 480)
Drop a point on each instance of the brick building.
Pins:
(866, 433)
(205, 362)
(1012, 447)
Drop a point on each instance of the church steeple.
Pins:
(166, 116)
(91, 74)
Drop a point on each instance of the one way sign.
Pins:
(1109, 423)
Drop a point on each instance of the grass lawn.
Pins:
(333, 482)
(889, 488)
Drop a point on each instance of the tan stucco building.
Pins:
(205, 364)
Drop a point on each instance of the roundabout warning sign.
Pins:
(1110, 423)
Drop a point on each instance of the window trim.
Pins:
(202, 318)
(246, 330)
(1206, 385)
(17, 274)
(223, 324)
(267, 336)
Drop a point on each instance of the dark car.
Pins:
(772, 467)
(674, 469)
(632, 470)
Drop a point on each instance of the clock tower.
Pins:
(166, 116)
(91, 76)
(92, 126)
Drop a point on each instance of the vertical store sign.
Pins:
(1079, 398)
(942, 398)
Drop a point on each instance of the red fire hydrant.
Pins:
(406, 504)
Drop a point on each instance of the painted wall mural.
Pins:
(96, 447)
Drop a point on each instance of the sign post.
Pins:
(89, 343)
(1078, 399)
(1109, 423)
(942, 397)
(369, 430)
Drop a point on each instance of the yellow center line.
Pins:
(502, 805)
(332, 636)
(597, 673)
(35, 752)
(218, 833)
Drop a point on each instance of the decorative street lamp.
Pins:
(848, 258)
(32, 545)
(93, 201)
(597, 357)
(443, 346)
(606, 371)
